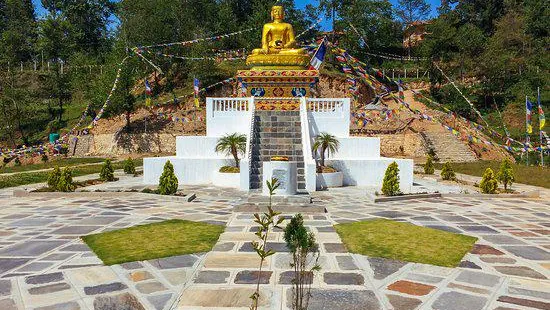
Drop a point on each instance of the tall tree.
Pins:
(410, 12)
(19, 30)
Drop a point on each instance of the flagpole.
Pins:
(526, 131)
(540, 128)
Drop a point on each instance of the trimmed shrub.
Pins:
(168, 183)
(17, 161)
(53, 177)
(45, 158)
(429, 166)
(489, 183)
(230, 169)
(390, 185)
(506, 174)
(129, 166)
(65, 183)
(447, 172)
(107, 172)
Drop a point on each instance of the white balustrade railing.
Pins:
(309, 162)
(245, 166)
(325, 105)
(229, 104)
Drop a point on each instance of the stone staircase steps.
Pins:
(448, 148)
(276, 133)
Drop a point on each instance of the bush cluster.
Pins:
(447, 172)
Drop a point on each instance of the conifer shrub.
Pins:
(53, 177)
(168, 183)
(65, 183)
(506, 174)
(129, 166)
(17, 161)
(390, 185)
(107, 172)
(489, 183)
(429, 166)
(447, 172)
(45, 158)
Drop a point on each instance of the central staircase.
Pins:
(276, 133)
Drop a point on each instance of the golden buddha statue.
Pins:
(278, 46)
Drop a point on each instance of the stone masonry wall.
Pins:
(412, 143)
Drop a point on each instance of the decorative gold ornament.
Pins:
(278, 46)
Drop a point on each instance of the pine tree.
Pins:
(168, 183)
(489, 183)
(53, 177)
(65, 183)
(107, 172)
(429, 166)
(390, 184)
(506, 174)
(129, 166)
(447, 172)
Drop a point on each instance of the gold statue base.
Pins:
(278, 89)
(278, 61)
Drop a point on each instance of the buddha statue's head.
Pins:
(277, 13)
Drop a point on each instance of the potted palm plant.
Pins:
(231, 145)
(327, 176)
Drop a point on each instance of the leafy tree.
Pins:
(232, 144)
(506, 174)
(489, 183)
(447, 172)
(168, 183)
(107, 172)
(323, 142)
(129, 166)
(18, 31)
(390, 184)
(267, 222)
(429, 166)
(305, 252)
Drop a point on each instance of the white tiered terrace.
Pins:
(196, 161)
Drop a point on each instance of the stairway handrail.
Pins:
(250, 134)
(306, 145)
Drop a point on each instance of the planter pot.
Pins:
(333, 179)
(223, 179)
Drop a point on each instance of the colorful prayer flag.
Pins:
(542, 120)
(319, 56)
(196, 88)
(148, 90)
(528, 114)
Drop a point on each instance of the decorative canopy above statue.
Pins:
(278, 49)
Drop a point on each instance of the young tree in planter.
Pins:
(107, 172)
(266, 223)
(489, 183)
(168, 183)
(325, 141)
(302, 246)
(390, 185)
(429, 166)
(129, 166)
(232, 144)
(447, 172)
(506, 174)
(53, 177)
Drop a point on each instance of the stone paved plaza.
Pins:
(44, 265)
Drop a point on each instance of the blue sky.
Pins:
(300, 3)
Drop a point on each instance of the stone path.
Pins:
(44, 265)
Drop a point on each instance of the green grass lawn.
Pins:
(42, 176)
(405, 242)
(531, 175)
(64, 162)
(157, 240)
